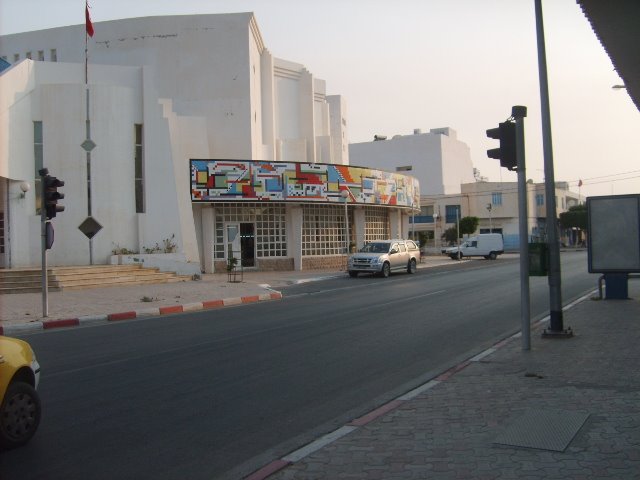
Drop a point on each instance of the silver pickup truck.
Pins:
(385, 256)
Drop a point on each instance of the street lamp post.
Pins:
(413, 223)
(435, 230)
(345, 197)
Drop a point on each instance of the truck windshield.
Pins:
(375, 248)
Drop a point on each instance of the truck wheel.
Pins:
(353, 274)
(411, 268)
(386, 270)
(493, 256)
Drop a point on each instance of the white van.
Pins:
(487, 245)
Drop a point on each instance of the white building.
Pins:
(272, 175)
(438, 159)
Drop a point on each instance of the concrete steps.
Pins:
(29, 280)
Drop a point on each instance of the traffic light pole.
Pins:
(43, 234)
(556, 329)
(518, 114)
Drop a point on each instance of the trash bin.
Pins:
(538, 259)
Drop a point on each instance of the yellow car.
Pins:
(20, 403)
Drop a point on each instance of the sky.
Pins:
(408, 64)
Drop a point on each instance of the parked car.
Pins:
(385, 256)
(19, 400)
(487, 245)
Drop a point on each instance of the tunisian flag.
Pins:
(88, 20)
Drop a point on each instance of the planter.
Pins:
(165, 262)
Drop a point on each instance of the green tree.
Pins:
(469, 225)
(575, 217)
(450, 235)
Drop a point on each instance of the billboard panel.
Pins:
(614, 233)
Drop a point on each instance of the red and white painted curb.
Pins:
(19, 328)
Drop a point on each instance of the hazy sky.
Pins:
(407, 64)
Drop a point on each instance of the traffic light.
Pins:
(506, 133)
(52, 195)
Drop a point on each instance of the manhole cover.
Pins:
(543, 429)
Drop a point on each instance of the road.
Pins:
(218, 394)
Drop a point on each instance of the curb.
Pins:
(17, 329)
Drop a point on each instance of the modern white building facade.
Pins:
(161, 96)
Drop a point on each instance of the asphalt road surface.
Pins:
(218, 394)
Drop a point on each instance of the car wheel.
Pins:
(19, 415)
(493, 256)
(353, 274)
(386, 270)
(411, 268)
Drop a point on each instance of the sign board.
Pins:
(614, 234)
(90, 227)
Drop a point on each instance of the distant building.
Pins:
(206, 146)
(451, 188)
(496, 206)
(437, 159)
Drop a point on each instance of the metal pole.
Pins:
(525, 308)
(458, 230)
(88, 156)
(346, 224)
(555, 292)
(435, 231)
(43, 242)
(413, 223)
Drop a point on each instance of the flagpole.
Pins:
(86, 46)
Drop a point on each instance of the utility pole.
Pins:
(519, 113)
(556, 328)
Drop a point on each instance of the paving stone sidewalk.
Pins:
(566, 409)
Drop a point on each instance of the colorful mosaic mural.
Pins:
(252, 180)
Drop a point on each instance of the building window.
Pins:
(41, 55)
(28, 55)
(377, 224)
(38, 149)
(323, 230)
(496, 198)
(270, 223)
(139, 170)
(53, 55)
(271, 231)
(451, 213)
(426, 211)
(539, 199)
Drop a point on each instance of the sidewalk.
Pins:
(566, 409)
